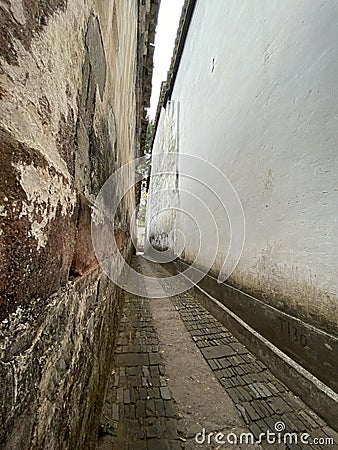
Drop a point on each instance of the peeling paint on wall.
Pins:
(46, 196)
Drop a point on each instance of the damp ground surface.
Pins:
(181, 380)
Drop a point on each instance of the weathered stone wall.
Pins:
(73, 79)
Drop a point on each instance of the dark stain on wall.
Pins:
(84, 258)
(36, 12)
(44, 110)
(65, 139)
(96, 55)
(102, 155)
(26, 272)
(94, 155)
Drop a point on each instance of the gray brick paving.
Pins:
(138, 411)
(260, 398)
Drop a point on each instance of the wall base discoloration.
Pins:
(57, 364)
(299, 298)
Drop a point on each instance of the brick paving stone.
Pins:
(154, 371)
(294, 402)
(165, 394)
(239, 348)
(158, 444)
(169, 410)
(132, 412)
(212, 364)
(273, 389)
(133, 395)
(156, 392)
(294, 447)
(155, 429)
(169, 425)
(140, 396)
(243, 413)
(254, 428)
(115, 412)
(140, 409)
(126, 396)
(138, 445)
(154, 358)
(224, 362)
(227, 383)
(155, 381)
(270, 422)
(163, 381)
(175, 445)
(278, 405)
(244, 393)
(218, 351)
(293, 423)
(307, 420)
(238, 381)
(150, 393)
(256, 390)
(160, 408)
(143, 393)
(219, 373)
(234, 395)
(131, 359)
(150, 407)
(119, 395)
(132, 370)
(250, 411)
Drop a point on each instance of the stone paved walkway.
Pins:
(138, 412)
(139, 408)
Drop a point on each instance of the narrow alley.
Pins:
(180, 376)
(168, 224)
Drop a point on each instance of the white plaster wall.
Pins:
(258, 93)
(160, 220)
